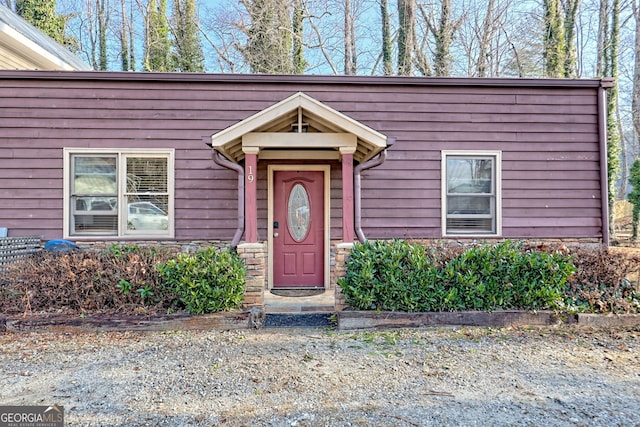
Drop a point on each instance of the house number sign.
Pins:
(250, 176)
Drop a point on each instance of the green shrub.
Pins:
(506, 276)
(388, 276)
(206, 281)
(410, 277)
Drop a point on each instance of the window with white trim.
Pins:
(119, 193)
(471, 192)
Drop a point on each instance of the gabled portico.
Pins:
(298, 128)
(299, 138)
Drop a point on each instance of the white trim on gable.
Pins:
(275, 124)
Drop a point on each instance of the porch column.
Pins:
(251, 194)
(348, 230)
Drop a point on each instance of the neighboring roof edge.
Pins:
(33, 44)
(303, 79)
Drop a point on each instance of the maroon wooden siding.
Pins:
(547, 132)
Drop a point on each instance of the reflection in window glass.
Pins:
(147, 198)
(146, 213)
(119, 193)
(469, 175)
(94, 194)
(471, 194)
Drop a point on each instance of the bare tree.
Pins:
(299, 63)
(441, 28)
(350, 53)
(187, 47)
(406, 36)
(486, 35)
(570, 8)
(635, 99)
(268, 31)
(220, 28)
(613, 134)
(486, 40)
(102, 7)
(444, 34)
(553, 52)
(387, 61)
(127, 52)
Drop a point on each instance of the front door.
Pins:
(298, 229)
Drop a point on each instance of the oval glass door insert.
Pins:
(298, 212)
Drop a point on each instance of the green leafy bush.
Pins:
(506, 276)
(410, 277)
(396, 276)
(206, 281)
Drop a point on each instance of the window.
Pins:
(471, 193)
(119, 193)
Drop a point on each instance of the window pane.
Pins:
(107, 224)
(471, 196)
(96, 204)
(146, 175)
(469, 205)
(147, 213)
(298, 213)
(469, 175)
(94, 175)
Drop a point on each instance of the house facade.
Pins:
(294, 169)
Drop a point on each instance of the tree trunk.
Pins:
(603, 36)
(444, 37)
(103, 22)
(187, 54)
(485, 40)
(387, 64)
(299, 63)
(268, 48)
(406, 34)
(349, 40)
(570, 59)
(613, 155)
(635, 101)
(554, 49)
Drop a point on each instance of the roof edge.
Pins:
(297, 78)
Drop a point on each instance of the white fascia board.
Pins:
(23, 47)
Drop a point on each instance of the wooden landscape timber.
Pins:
(345, 320)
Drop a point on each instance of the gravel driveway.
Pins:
(561, 376)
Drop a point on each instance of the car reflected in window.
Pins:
(146, 216)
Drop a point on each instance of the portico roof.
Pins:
(299, 122)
